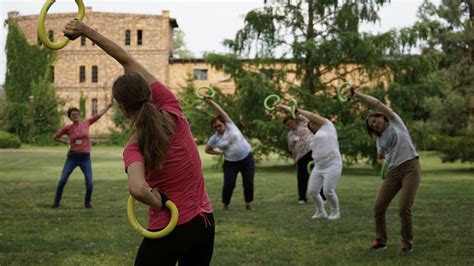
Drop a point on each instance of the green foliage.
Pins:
(436, 88)
(31, 103)
(286, 29)
(180, 49)
(454, 148)
(82, 106)
(123, 124)
(8, 141)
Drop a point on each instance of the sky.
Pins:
(205, 23)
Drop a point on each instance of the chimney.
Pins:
(13, 14)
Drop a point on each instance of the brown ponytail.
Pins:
(151, 126)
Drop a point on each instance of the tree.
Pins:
(179, 46)
(301, 47)
(27, 75)
(446, 32)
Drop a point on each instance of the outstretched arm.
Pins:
(315, 118)
(375, 103)
(103, 111)
(218, 109)
(76, 28)
(212, 151)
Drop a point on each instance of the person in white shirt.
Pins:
(229, 142)
(327, 165)
(300, 141)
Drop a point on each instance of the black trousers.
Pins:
(302, 176)
(191, 243)
(231, 169)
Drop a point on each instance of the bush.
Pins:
(8, 140)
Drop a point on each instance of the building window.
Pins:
(51, 35)
(94, 106)
(82, 74)
(267, 74)
(200, 74)
(139, 37)
(127, 37)
(83, 40)
(51, 74)
(95, 74)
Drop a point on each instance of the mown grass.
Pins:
(277, 232)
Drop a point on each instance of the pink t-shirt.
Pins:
(181, 175)
(78, 134)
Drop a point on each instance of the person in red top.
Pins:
(161, 160)
(79, 151)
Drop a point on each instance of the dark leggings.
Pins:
(302, 176)
(191, 243)
(231, 169)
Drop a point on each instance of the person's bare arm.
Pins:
(210, 150)
(376, 103)
(312, 116)
(139, 189)
(218, 109)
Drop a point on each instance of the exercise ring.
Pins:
(209, 92)
(293, 105)
(277, 100)
(340, 96)
(310, 167)
(148, 234)
(41, 29)
(383, 171)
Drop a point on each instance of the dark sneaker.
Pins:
(378, 244)
(87, 205)
(225, 207)
(55, 205)
(406, 247)
(248, 207)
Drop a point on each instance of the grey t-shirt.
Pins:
(396, 142)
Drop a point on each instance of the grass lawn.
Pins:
(277, 232)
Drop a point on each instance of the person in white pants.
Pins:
(327, 165)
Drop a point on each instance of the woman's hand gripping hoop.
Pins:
(41, 29)
(209, 92)
(148, 234)
(340, 96)
(272, 107)
(310, 167)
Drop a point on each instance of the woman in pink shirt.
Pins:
(79, 152)
(161, 160)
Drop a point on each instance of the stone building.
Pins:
(83, 70)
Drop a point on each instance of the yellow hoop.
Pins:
(148, 234)
(41, 29)
(209, 92)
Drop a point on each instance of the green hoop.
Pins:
(310, 167)
(265, 102)
(293, 104)
(340, 96)
(383, 171)
(41, 29)
(132, 218)
(209, 92)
